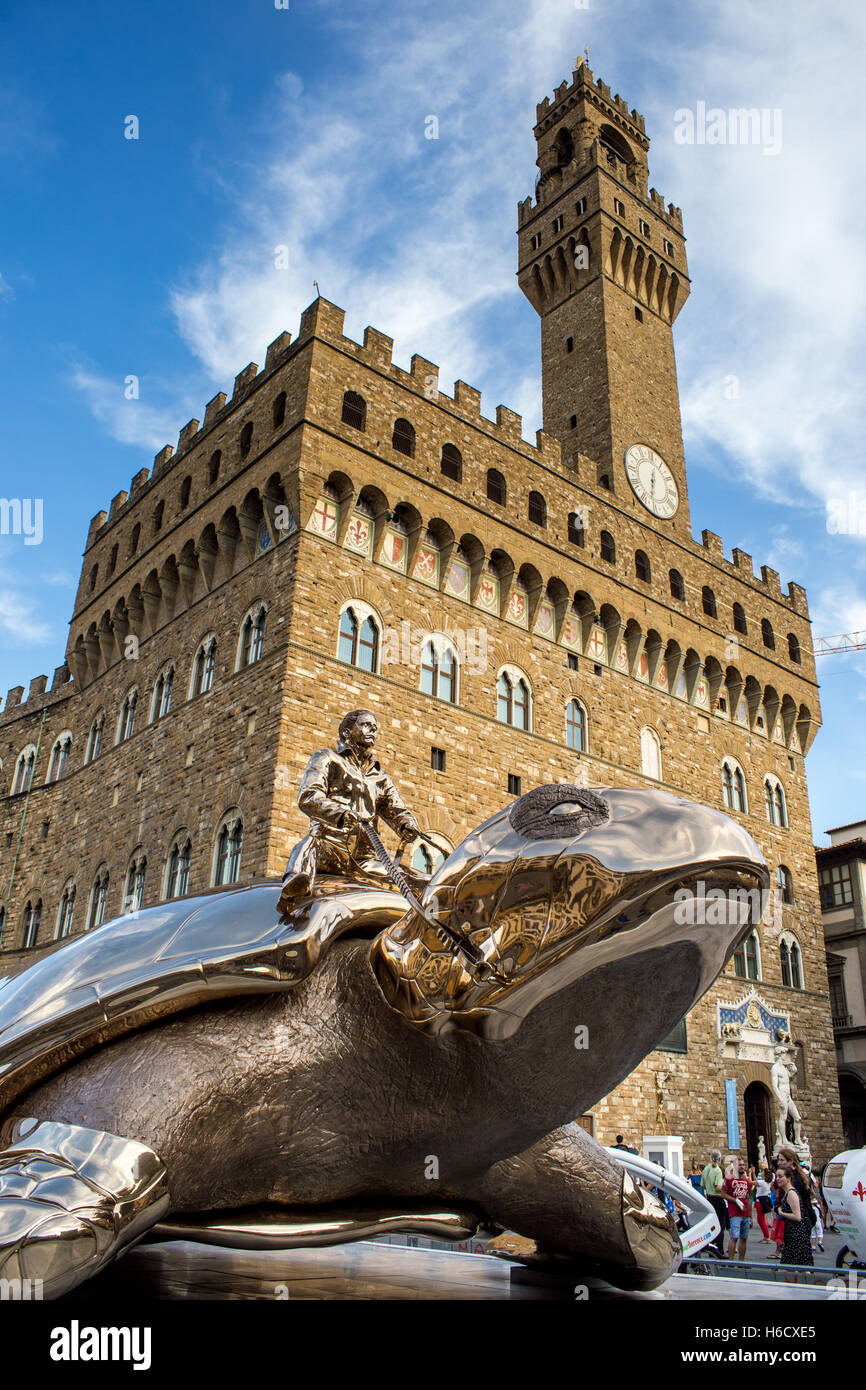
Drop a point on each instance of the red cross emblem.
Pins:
(596, 646)
(326, 516)
(859, 1191)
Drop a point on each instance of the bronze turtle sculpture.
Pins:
(203, 1068)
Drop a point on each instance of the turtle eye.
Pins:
(556, 811)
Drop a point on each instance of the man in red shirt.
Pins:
(738, 1192)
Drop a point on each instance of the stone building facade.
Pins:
(343, 532)
(842, 884)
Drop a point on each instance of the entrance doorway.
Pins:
(759, 1120)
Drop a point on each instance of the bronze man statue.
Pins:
(340, 789)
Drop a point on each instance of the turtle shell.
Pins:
(161, 960)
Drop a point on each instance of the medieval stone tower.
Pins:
(342, 531)
(603, 262)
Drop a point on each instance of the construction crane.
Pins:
(845, 642)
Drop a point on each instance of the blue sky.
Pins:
(305, 127)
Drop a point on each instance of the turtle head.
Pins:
(566, 881)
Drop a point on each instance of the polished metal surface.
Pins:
(281, 1228)
(559, 885)
(71, 1199)
(382, 1078)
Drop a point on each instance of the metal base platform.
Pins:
(369, 1270)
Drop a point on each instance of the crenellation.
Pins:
(278, 350)
(378, 348)
(138, 483)
(62, 676)
(509, 422)
(797, 598)
(14, 697)
(161, 460)
(187, 435)
(770, 578)
(425, 374)
(322, 319)
(96, 524)
(742, 561)
(214, 409)
(713, 543)
(468, 399)
(244, 380)
(37, 687)
(117, 502)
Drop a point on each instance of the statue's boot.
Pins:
(295, 886)
(71, 1199)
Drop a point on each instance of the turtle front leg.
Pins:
(580, 1207)
(71, 1200)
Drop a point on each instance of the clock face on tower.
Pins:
(652, 481)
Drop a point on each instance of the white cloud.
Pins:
(132, 421)
(6, 291)
(18, 617)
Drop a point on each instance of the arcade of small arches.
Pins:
(431, 553)
(451, 467)
(173, 882)
(199, 565)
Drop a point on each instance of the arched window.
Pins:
(575, 726)
(605, 481)
(708, 602)
(576, 533)
(203, 667)
(177, 868)
(112, 560)
(94, 738)
(785, 883)
(279, 409)
(427, 855)
(94, 575)
(769, 637)
(213, 468)
(135, 538)
(354, 411)
(537, 509)
(678, 586)
(162, 694)
(126, 723)
(452, 463)
(747, 958)
(734, 786)
(512, 700)
(185, 490)
(496, 487)
(650, 754)
(791, 962)
(439, 671)
(358, 643)
(774, 802)
(65, 912)
(59, 762)
(642, 566)
(133, 888)
(24, 767)
(98, 897)
(608, 548)
(32, 918)
(252, 637)
(740, 620)
(794, 648)
(403, 438)
(158, 514)
(227, 853)
(246, 440)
